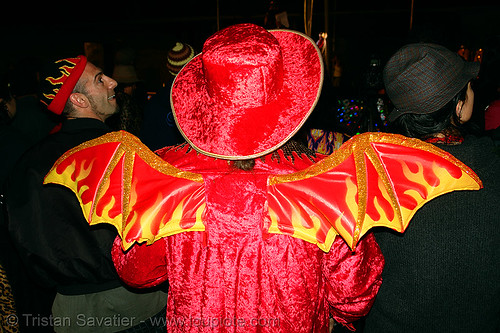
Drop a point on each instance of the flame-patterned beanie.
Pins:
(59, 80)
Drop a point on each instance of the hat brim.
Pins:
(254, 131)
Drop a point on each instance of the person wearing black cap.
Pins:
(443, 274)
(47, 226)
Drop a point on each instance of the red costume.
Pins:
(237, 277)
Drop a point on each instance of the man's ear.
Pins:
(79, 100)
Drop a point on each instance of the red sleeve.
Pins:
(353, 278)
(142, 265)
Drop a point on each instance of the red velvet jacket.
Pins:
(235, 277)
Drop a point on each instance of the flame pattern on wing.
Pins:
(120, 181)
(374, 179)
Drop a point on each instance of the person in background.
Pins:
(12, 141)
(32, 120)
(158, 128)
(12, 145)
(492, 122)
(489, 89)
(443, 273)
(130, 98)
(46, 223)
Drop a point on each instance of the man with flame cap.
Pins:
(47, 226)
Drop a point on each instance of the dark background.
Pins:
(358, 29)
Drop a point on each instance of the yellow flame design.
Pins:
(353, 207)
(394, 223)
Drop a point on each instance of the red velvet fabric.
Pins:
(235, 278)
(248, 92)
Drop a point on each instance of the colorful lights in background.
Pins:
(357, 116)
(354, 117)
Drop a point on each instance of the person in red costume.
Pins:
(242, 221)
(234, 277)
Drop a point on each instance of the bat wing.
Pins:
(118, 180)
(374, 179)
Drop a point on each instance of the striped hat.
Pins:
(178, 56)
(421, 78)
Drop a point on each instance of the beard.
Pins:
(107, 112)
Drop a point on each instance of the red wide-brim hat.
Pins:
(248, 92)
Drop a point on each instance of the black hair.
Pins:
(245, 165)
(426, 125)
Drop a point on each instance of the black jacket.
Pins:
(46, 222)
(443, 273)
